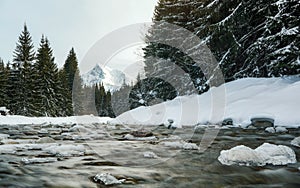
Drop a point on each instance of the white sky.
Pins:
(70, 23)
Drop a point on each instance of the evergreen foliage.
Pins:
(49, 90)
(248, 39)
(20, 78)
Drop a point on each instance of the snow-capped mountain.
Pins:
(112, 79)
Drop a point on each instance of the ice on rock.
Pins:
(180, 145)
(172, 138)
(150, 154)
(43, 131)
(241, 155)
(4, 136)
(131, 137)
(270, 130)
(38, 160)
(296, 142)
(66, 150)
(261, 156)
(281, 129)
(8, 149)
(107, 179)
(174, 145)
(277, 154)
(190, 146)
(45, 140)
(79, 128)
(276, 130)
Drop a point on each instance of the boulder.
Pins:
(262, 122)
(107, 179)
(141, 133)
(227, 121)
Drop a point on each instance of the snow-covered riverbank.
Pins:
(22, 120)
(240, 100)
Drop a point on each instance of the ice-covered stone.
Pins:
(107, 179)
(190, 146)
(262, 122)
(180, 145)
(131, 137)
(270, 130)
(261, 156)
(150, 154)
(79, 128)
(4, 136)
(296, 142)
(276, 130)
(66, 150)
(38, 160)
(281, 129)
(45, 140)
(172, 138)
(43, 131)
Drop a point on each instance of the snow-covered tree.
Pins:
(49, 88)
(74, 82)
(21, 83)
(248, 39)
(3, 83)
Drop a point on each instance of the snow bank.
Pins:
(22, 120)
(239, 100)
(261, 156)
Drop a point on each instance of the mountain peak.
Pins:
(112, 79)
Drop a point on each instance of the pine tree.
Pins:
(3, 83)
(66, 103)
(110, 111)
(49, 96)
(119, 100)
(21, 82)
(169, 63)
(74, 82)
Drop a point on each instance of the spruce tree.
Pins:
(48, 85)
(66, 103)
(21, 81)
(74, 82)
(3, 83)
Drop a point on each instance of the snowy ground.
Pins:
(21, 120)
(241, 100)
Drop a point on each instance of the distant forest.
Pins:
(32, 84)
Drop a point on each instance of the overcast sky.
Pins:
(68, 23)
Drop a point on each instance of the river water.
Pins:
(103, 149)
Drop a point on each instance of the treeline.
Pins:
(32, 84)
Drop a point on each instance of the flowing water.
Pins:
(101, 149)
